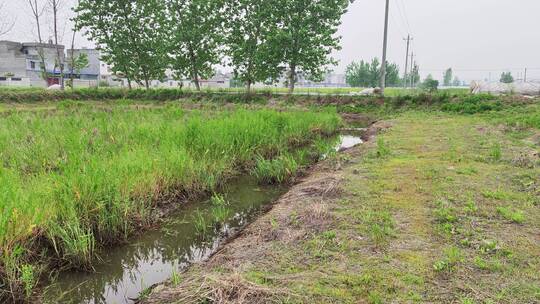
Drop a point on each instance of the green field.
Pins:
(76, 176)
(442, 207)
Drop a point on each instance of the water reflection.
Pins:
(152, 257)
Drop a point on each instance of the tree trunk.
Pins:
(194, 69)
(147, 83)
(54, 5)
(292, 79)
(129, 84)
(248, 86)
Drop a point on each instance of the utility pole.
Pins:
(385, 44)
(407, 61)
(413, 65)
(525, 76)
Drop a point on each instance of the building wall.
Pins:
(33, 60)
(12, 59)
(92, 71)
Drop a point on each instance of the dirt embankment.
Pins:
(304, 210)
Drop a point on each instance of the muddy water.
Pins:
(154, 256)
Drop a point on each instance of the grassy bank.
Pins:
(441, 208)
(77, 177)
(233, 95)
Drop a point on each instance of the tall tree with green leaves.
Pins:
(306, 36)
(392, 75)
(357, 74)
(196, 35)
(367, 75)
(414, 76)
(131, 35)
(506, 77)
(447, 77)
(250, 43)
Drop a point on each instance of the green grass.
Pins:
(443, 216)
(83, 176)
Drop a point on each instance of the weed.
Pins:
(220, 213)
(28, 278)
(218, 200)
(488, 247)
(495, 153)
(471, 207)
(200, 222)
(382, 148)
(452, 257)
(380, 225)
(497, 194)
(176, 278)
(516, 216)
(278, 170)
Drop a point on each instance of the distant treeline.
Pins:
(261, 40)
(368, 74)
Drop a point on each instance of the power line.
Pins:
(398, 25)
(403, 19)
(406, 16)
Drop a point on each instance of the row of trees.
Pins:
(261, 40)
(367, 74)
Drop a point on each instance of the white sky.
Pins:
(474, 37)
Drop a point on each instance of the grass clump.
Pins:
(509, 214)
(452, 257)
(278, 170)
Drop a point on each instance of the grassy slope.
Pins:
(443, 209)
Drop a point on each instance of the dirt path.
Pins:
(438, 209)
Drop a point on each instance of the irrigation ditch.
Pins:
(190, 234)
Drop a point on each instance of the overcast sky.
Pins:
(474, 37)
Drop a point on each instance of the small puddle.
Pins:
(155, 255)
(348, 141)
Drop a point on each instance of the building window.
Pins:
(32, 65)
(16, 79)
(26, 52)
(3, 78)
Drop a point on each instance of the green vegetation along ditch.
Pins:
(77, 178)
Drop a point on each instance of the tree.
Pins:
(6, 25)
(357, 74)
(392, 75)
(366, 74)
(76, 64)
(506, 77)
(414, 77)
(253, 57)
(131, 35)
(37, 9)
(447, 77)
(305, 36)
(196, 34)
(430, 84)
(55, 6)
